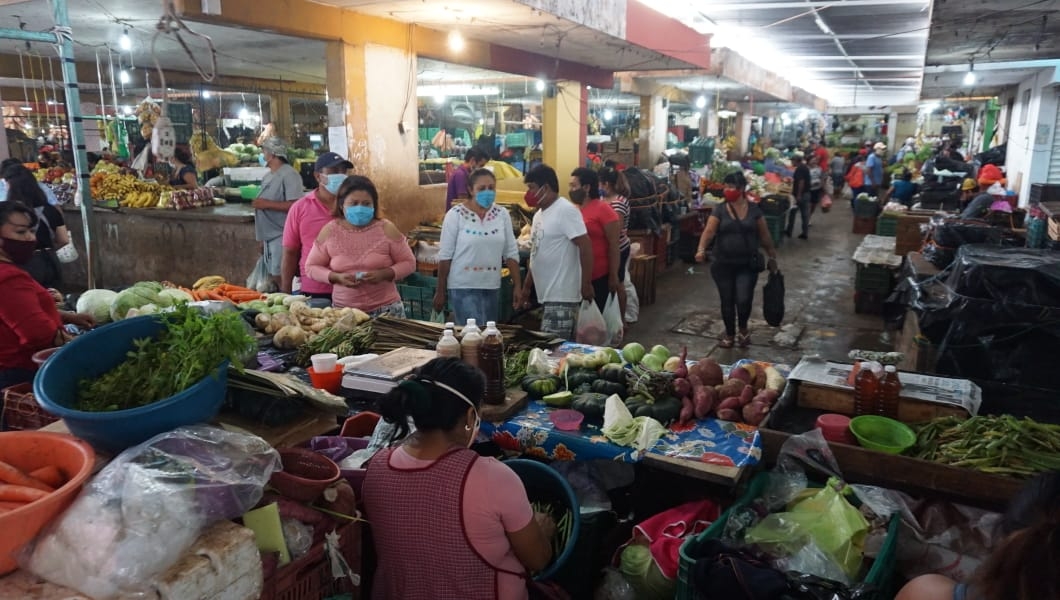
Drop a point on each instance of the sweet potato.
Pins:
(740, 373)
(732, 402)
(709, 371)
(755, 412)
(746, 395)
(728, 414)
(704, 399)
(732, 387)
(769, 396)
(682, 387)
(687, 410)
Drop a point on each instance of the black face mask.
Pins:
(19, 251)
(577, 196)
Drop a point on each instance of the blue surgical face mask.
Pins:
(261, 160)
(359, 216)
(334, 182)
(485, 198)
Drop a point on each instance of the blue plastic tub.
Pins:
(543, 483)
(97, 352)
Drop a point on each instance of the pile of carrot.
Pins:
(226, 291)
(18, 488)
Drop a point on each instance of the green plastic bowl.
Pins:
(882, 434)
(249, 192)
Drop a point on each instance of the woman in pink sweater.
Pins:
(361, 254)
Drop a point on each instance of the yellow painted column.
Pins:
(375, 86)
(563, 128)
(653, 127)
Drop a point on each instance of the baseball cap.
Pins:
(880, 146)
(275, 146)
(968, 185)
(328, 160)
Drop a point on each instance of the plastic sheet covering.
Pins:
(1000, 332)
(949, 234)
(140, 514)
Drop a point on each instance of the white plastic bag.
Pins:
(591, 328)
(613, 319)
(632, 302)
(259, 279)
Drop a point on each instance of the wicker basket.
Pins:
(21, 411)
(305, 474)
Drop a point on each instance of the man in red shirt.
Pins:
(604, 229)
(458, 189)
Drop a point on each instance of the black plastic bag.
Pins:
(773, 299)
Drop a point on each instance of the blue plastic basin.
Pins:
(99, 351)
(542, 482)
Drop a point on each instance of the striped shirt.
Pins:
(621, 207)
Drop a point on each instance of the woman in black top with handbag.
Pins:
(738, 229)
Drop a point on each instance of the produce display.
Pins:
(190, 348)
(185, 199)
(143, 298)
(18, 489)
(128, 190)
(245, 153)
(1001, 445)
(147, 113)
(208, 155)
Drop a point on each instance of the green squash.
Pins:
(608, 388)
(590, 404)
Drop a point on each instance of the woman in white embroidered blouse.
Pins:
(477, 242)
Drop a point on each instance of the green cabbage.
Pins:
(171, 296)
(97, 303)
(643, 574)
(133, 297)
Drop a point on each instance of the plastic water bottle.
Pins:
(449, 346)
(491, 361)
(470, 342)
(890, 389)
(865, 387)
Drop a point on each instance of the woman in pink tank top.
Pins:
(448, 523)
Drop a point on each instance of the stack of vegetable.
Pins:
(143, 298)
(191, 346)
(18, 488)
(1001, 445)
(746, 396)
(301, 324)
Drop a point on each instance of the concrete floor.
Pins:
(819, 313)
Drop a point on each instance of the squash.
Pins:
(539, 386)
(603, 386)
(613, 372)
(590, 404)
(578, 377)
(666, 410)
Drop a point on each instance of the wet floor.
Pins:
(819, 303)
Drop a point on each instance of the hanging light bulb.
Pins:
(125, 41)
(608, 114)
(701, 101)
(206, 94)
(456, 41)
(439, 99)
(697, 115)
(123, 76)
(969, 77)
(244, 113)
(540, 85)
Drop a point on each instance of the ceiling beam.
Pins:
(916, 57)
(883, 35)
(861, 69)
(709, 8)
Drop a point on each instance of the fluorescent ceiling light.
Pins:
(244, 113)
(697, 115)
(540, 85)
(825, 29)
(608, 114)
(206, 94)
(969, 77)
(123, 76)
(725, 114)
(125, 41)
(439, 99)
(429, 91)
(456, 41)
(701, 101)
(27, 108)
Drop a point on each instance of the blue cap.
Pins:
(329, 160)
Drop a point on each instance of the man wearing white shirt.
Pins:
(561, 255)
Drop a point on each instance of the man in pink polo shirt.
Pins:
(307, 217)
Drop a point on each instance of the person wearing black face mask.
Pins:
(29, 320)
(740, 229)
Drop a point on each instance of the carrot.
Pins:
(20, 493)
(13, 475)
(212, 295)
(9, 506)
(244, 296)
(50, 475)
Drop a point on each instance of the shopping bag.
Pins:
(259, 278)
(826, 202)
(591, 328)
(613, 319)
(847, 193)
(437, 316)
(773, 299)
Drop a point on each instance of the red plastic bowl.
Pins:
(566, 419)
(305, 474)
(43, 355)
(836, 428)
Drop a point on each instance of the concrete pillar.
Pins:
(743, 132)
(653, 127)
(280, 114)
(5, 152)
(564, 114)
(381, 140)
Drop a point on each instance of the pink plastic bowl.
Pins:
(566, 420)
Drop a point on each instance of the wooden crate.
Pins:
(838, 400)
(920, 354)
(642, 274)
(864, 225)
(908, 237)
(650, 243)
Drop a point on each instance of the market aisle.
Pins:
(819, 316)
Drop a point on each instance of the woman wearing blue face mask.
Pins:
(477, 241)
(360, 254)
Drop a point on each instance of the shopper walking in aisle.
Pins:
(29, 320)
(1023, 563)
(816, 182)
(837, 168)
(487, 535)
(615, 190)
(183, 175)
(874, 169)
(738, 229)
(855, 177)
(457, 188)
(561, 255)
(51, 232)
(800, 189)
(281, 186)
(477, 240)
(361, 254)
(308, 215)
(604, 228)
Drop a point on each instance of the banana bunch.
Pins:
(147, 113)
(115, 186)
(208, 283)
(142, 199)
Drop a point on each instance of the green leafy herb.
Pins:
(191, 346)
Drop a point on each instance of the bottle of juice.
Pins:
(865, 387)
(449, 346)
(470, 342)
(491, 361)
(890, 389)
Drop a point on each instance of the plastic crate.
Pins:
(887, 224)
(873, 278)
(880, 574)
(309, 577)
(21, 411)
(775, 224)
(866, 208)
(869, 303)
(864, 225)
(417, 294)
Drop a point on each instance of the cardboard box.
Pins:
(625, 144)
(626, 158)
(908, 237)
